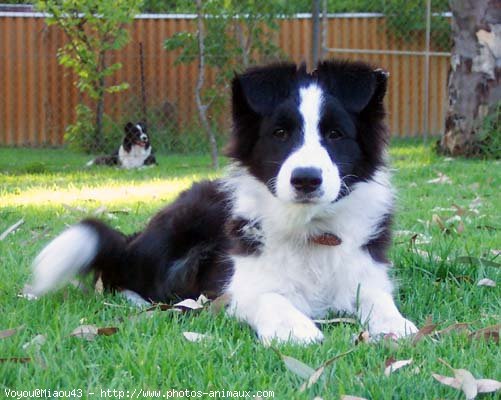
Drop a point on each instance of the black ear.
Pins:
(260, 90)
(355, 84)
(129, 127)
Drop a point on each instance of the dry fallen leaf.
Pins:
(464, 380)
(9, 332)
(441, 179)
(488, 385)
(426, 330)
(488, 333)
(189, 304)
(363, 337)
(468, 383)
(98, 286)
(458, 327)
(16, 359)
(220, 303)
(320, 370)
(195, 337)
(89, 332)
(486, 282)
(36, 342)
(396, 365)
(107, 331)
(298, 367)
(11, 229)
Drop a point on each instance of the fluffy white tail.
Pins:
(63, 258)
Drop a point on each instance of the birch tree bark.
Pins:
(474, 79)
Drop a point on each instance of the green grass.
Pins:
(51, 189)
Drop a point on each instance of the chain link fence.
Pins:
(410, 39)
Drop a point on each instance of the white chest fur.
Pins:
(292, 280)
(134, 158)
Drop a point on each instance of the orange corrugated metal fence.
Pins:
(38, 98)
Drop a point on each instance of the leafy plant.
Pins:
(236, 34)
(94, 28)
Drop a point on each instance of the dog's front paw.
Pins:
(297, 329)
(398, 326)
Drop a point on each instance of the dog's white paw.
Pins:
(296, 328)
(398, 326)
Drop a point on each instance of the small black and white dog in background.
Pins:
(134, 152)
(300, 226)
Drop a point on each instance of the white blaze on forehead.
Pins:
(310, 106)
(311, 153)
(138, 126)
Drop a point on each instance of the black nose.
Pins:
(306, 180)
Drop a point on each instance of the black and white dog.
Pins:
(134, 152)
(299, 226)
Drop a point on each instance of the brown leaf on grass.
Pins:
(460, 228)
(426, 330)
(9, 332)
(220, 303)
(363, 337)
(396, 365)
(320, 370)
(89, 332)
(457, 327)
(486, 282)
(11, 229)
(107, 331)
(21, 360)
(488, 333)
(436, 219)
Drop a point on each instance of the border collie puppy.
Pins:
(299, 226)
(134, 152)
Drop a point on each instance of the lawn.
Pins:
(455, 215)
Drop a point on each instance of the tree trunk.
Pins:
(98, 133)
(202, 108)
(474, 79)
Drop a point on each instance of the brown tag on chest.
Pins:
(326, 239)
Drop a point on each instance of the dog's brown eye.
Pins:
(281, 134)
(333, 134)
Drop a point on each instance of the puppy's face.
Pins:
(309, 137)
(135, 135)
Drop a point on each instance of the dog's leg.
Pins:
(378, 310)
(273, 317)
